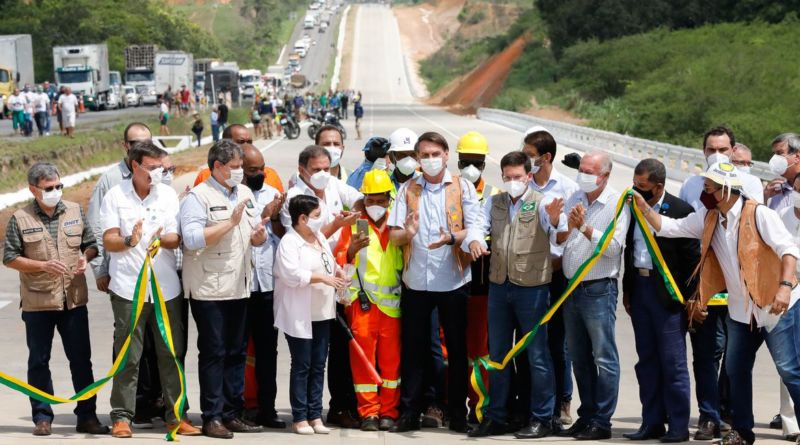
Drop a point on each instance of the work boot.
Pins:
(386, 424)
(370, 423)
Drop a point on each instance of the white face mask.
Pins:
(535, 168)
(471, 173)
(315, 224)
(376, 212)
(743, 168)
(51, 198)
(796, 199)
(715, 157)
(156, 176)
(432, 166)
(778, 165)
(379, 164)
(407, 165)
(515, 188)
(166, 178)
(237, 174)
(336, 155)
(319, 180)
(587, 182)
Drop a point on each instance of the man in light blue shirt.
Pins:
(433, 216)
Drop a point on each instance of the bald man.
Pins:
(268, 202)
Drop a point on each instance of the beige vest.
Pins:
(222, 271)
(520, 248)
(41, 291)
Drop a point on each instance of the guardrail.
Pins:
(681, 162)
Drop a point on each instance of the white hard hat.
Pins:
(402, 139)
(534, 129)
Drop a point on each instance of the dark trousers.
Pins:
(41, 121)
(435, 374)
(265, 339)
(557, 340)
(416, 307)
(73, 327)
(662, 370)
(222, 346)
(307, 374)
(340, 378)
(706, 357)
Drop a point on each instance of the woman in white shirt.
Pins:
(306, 280)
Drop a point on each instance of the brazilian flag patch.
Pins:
(528, 207)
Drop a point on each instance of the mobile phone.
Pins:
(362, 227)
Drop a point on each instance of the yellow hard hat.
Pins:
(376, 181)
(473, 143)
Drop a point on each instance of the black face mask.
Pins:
(255, 182)
(647, 195)
(708, 200)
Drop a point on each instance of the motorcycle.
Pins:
(325, 118)
(290, 126)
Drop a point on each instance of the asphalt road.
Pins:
(315, 64)
(388, 105)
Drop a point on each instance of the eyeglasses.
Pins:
(170, 169)
(464, 164)
(742, 163)
(51, 188)
(327, 263)
(150, 167)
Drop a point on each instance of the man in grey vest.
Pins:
(219, 223)
(49, 242)
(519, 276)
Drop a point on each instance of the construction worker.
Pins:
(472, 150)
(374, 311)
(401, 153)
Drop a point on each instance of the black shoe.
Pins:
(459, 426)
(488, 428)
(707, 430)
(594, 432)
(404, 424)
(344, 419)
(92, 426)
(647, 432)
(242, 426)
(273, 422)
(572, 431)
(536, 430)
(215, 429)
(371, 423)
(776, 423)
(672, 437)
(386, 423)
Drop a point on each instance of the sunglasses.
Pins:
(478, 164)
(327, 263)
(51, 188)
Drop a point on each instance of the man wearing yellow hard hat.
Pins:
(472, 150)
(374, 305)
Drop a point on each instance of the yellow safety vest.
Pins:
(380, 273)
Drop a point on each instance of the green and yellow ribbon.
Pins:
(162, 318)
(608, 234)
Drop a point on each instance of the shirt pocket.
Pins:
(217, 214)
(220, 277)
(34, 244)
(73, 236)
(128, 217)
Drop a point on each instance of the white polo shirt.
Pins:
(121, 209)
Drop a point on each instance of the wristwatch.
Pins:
(583, 228)
(452, 239)
(127, 241)
(786, 283)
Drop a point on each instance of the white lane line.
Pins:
(4, 303)
(354, 54)
(432, 122)
(272, 144)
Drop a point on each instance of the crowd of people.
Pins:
(37, 105)
(398, 275)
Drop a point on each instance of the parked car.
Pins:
(133, 97)
(114, 101)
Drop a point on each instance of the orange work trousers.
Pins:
(379, 336)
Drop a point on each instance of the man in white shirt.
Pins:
(785, 164)
(133, 213)
(541, 147)
(41, 105)
(315, 179)
(589, 313)
(16, 103)
(68, 107)
(747, 251)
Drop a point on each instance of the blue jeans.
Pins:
(525, 305)
(307, 374)
(783, 343)
(215, 133)
(222, 353)
(662, 371)
(73, 326)
(589, 317)
(706, 363)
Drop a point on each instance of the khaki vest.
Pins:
(455, 217)
(41, 291)
(223, 271)
(759, 266)
(520, 248)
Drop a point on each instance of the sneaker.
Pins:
(432, 418)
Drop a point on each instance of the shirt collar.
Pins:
(127, 187)
(214, 183)
(734, 212)
(604, 195)
(124, 169)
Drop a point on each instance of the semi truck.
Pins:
(140, 71)
(250, 82)
(173, 69)
(220, 79)
(16, 63)
(84, 68)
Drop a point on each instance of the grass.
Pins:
(89, 148)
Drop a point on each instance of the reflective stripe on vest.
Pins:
(366, 388)
(391, 384)
(387, 298)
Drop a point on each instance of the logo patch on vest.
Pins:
(217, 208)
(33, 230)
(528, 207)
(72, 223)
